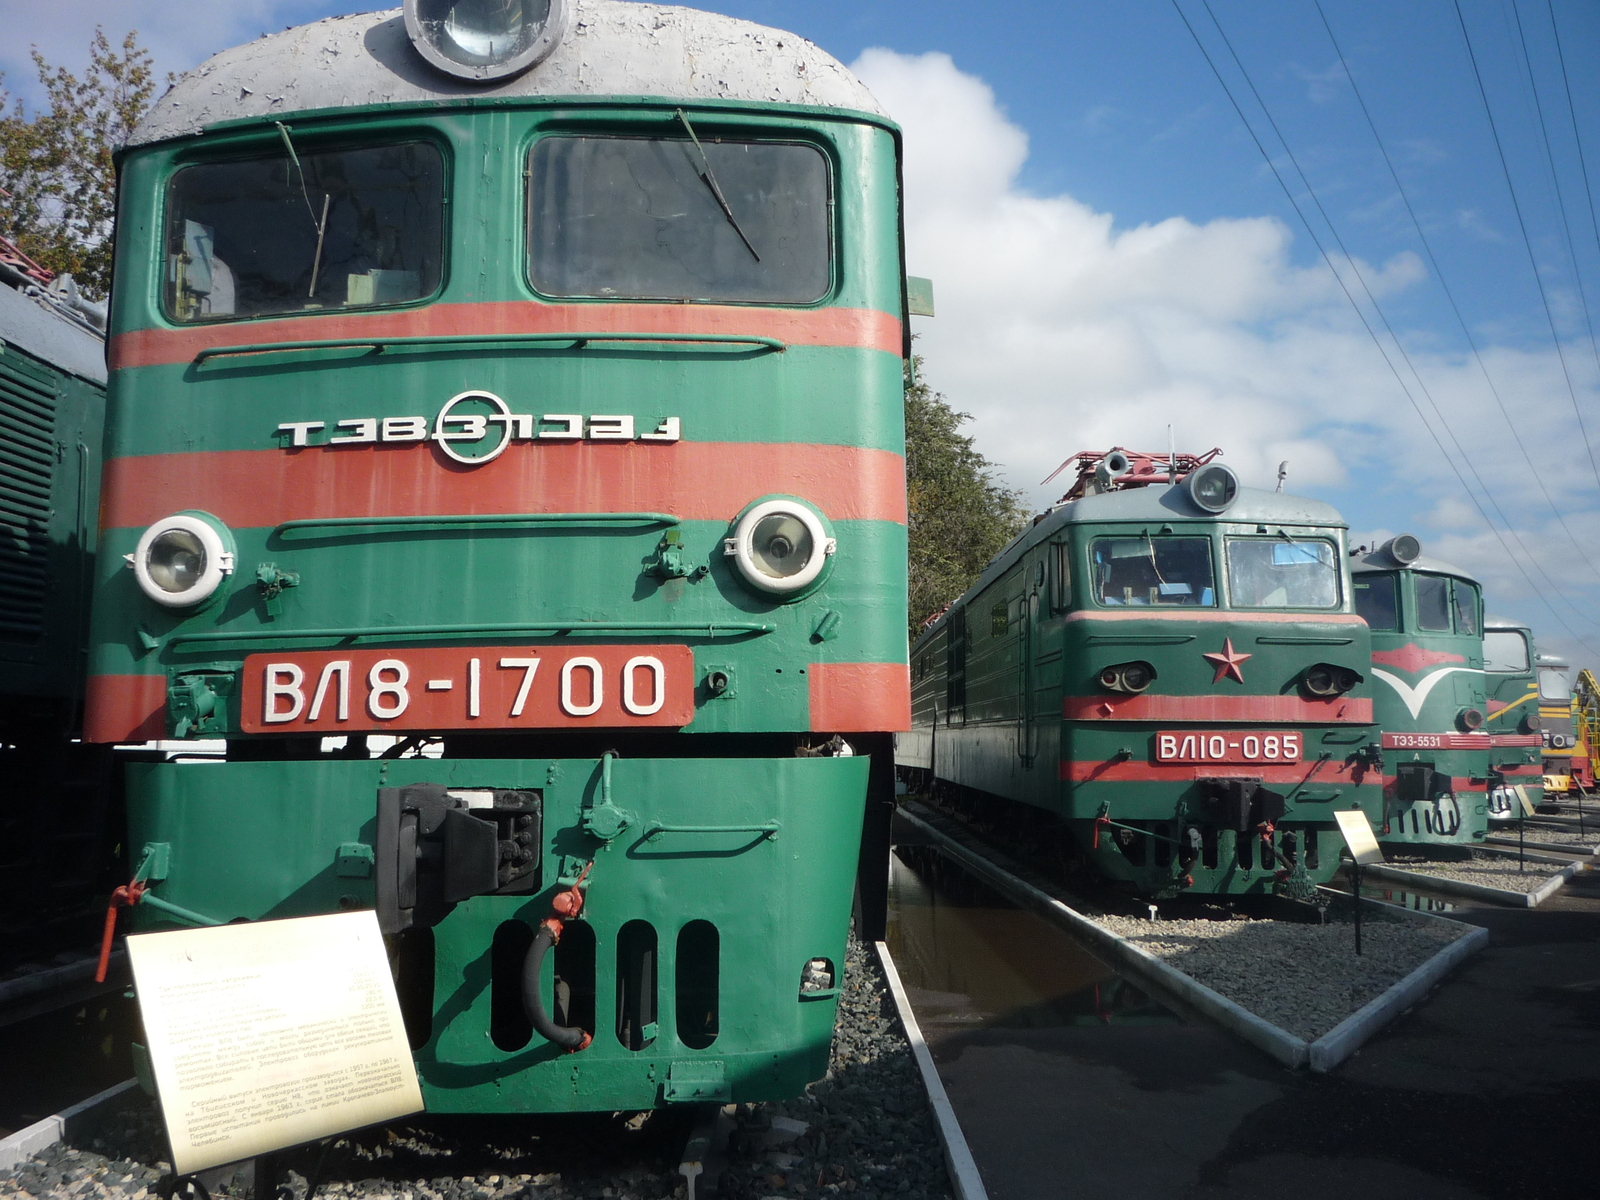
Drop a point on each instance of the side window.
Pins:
(1060, 577)
(1466, 607)
(1375, 601)
(1433, 603)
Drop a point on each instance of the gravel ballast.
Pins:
(1303, 978)
(865, 1131)
(1486, 870)
(1540, 835)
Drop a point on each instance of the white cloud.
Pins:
(178, 36)
(1060, 331)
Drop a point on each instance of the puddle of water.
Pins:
(971, 959)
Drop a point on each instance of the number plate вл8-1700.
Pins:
(472, 687)
(1228, 746)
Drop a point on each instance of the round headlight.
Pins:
(1213, 487)
(485, 40)
(1404, 549)
(180, 561)
(780, 546)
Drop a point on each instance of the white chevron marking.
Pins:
(1415, 699)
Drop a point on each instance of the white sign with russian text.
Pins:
(267, 1034)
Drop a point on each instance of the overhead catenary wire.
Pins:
(1399, 346)
(1527, 241)
(1444, 284)
(1555, 183)
(1395, 337)
(1361, 316)
(1577, 133)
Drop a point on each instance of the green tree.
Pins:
(57, 182)
(960, 517)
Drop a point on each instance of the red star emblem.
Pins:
(1226, 663)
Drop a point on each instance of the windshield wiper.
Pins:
(710, 181)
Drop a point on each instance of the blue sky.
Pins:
(1110, 253)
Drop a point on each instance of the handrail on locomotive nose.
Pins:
(579, 341)
(337, 526)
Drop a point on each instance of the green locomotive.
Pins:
(1427, 655)
(1164, 676)
(524, 383)
(57, 834)
(1516, 756)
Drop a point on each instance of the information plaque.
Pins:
(264, 1035)
(1358, 836)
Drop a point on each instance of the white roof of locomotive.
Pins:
(610, 49)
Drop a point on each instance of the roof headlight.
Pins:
(180, 561)
(780, 546)
(485, 40)
(1213, 487)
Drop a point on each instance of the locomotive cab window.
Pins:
(1279, 573)
(1377, 601)
(311, 231)
(1505, 651)
(1154, 571)
(1466, 603)
(1433, 603)
(632, 218)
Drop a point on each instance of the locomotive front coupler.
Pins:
(437, 846)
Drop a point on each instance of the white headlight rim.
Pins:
(530, 56)
(741, 546)
(214, 539)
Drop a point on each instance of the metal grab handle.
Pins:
(655, 829)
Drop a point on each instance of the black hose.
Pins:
(569, 1036)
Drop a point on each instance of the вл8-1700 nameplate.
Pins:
(467, 687)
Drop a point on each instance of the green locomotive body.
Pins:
(1511, 686)
(551, 424)
(1427, 656)
(1178, 683)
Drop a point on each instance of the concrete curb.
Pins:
(1277, 1043)
(1477, 891)
(958, 1161)
(41, 1135)
(1350, 1034)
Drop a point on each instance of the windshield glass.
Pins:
(634, 218)
(1274, 573)
(319, 230)
(1505, 650)
(1375, 600)
(1466, 607)
(1145, 570)
(1553, 685)
(1433, 603)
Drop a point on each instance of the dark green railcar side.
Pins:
(1427, 659)
(1511, 686)
(54, 818)
(1181, 691)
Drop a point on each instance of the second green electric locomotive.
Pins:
(1427, 657)
(1165, 670)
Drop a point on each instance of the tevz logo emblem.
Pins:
(475, 427)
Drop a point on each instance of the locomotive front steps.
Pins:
(1183, 991)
